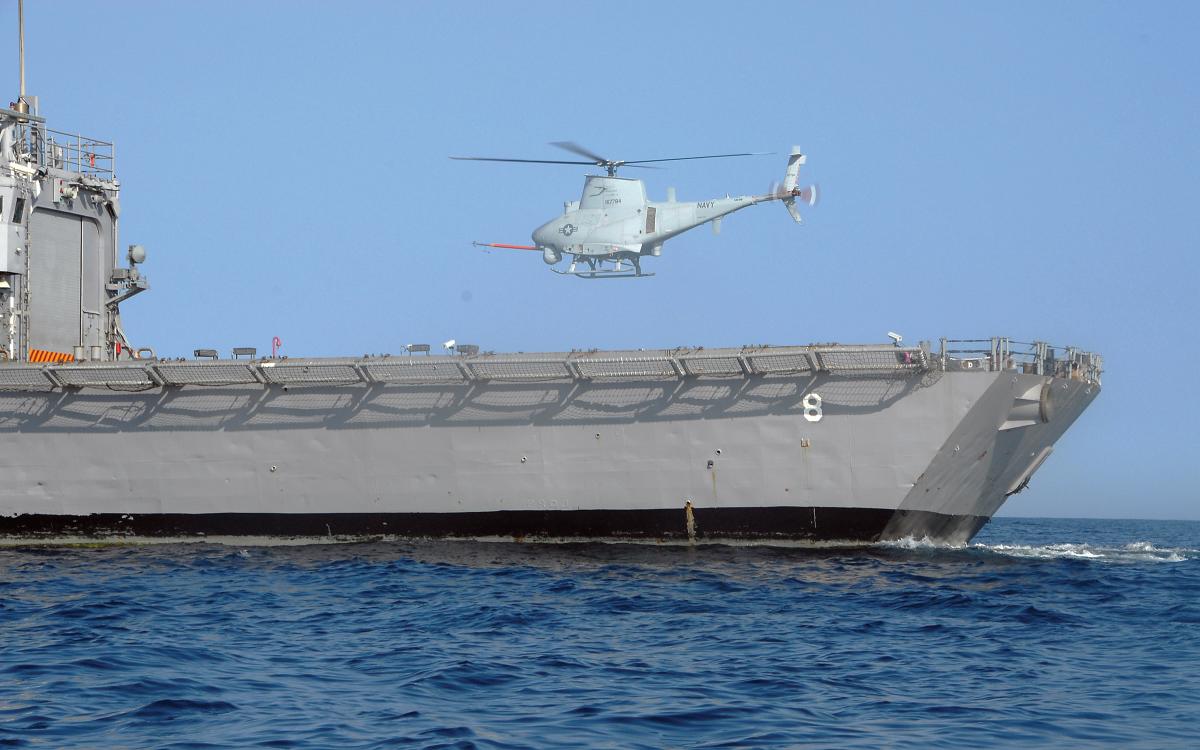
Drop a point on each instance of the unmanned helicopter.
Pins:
(612, 226)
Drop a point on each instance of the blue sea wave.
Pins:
(1064, 632)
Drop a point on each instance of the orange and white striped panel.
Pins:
(42, 355)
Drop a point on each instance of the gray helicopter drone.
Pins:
(608, 231)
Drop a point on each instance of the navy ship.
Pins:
(101, 438)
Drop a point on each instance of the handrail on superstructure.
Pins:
(40, 146)
(15, 115)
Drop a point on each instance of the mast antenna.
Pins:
(21, 105)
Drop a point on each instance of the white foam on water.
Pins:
(1049, 551)
(1132, 552)
(924, 542)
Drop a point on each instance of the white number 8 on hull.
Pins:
(812, 407)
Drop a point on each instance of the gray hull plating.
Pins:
(927, 453)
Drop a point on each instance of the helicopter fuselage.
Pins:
(613, 219)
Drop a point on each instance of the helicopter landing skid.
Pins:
(594, 269)
(605, 273)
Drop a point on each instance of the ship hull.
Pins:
(780, 523)
(923, 454)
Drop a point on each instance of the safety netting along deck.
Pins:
(664, 364)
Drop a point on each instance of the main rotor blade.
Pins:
(689, 158)
(542, 161)
(523, 161)
(575, 148)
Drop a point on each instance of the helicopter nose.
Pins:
(543, 236)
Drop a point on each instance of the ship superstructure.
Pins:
(60, 284)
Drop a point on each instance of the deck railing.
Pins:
(1037, 357)
(483, 367)
(667, 364)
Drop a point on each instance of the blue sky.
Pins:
(1021, 169)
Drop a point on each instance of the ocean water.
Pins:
(1041, 633)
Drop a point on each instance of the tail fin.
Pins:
(795, 161)
(790, 178)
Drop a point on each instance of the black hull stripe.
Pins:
(764, 523)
